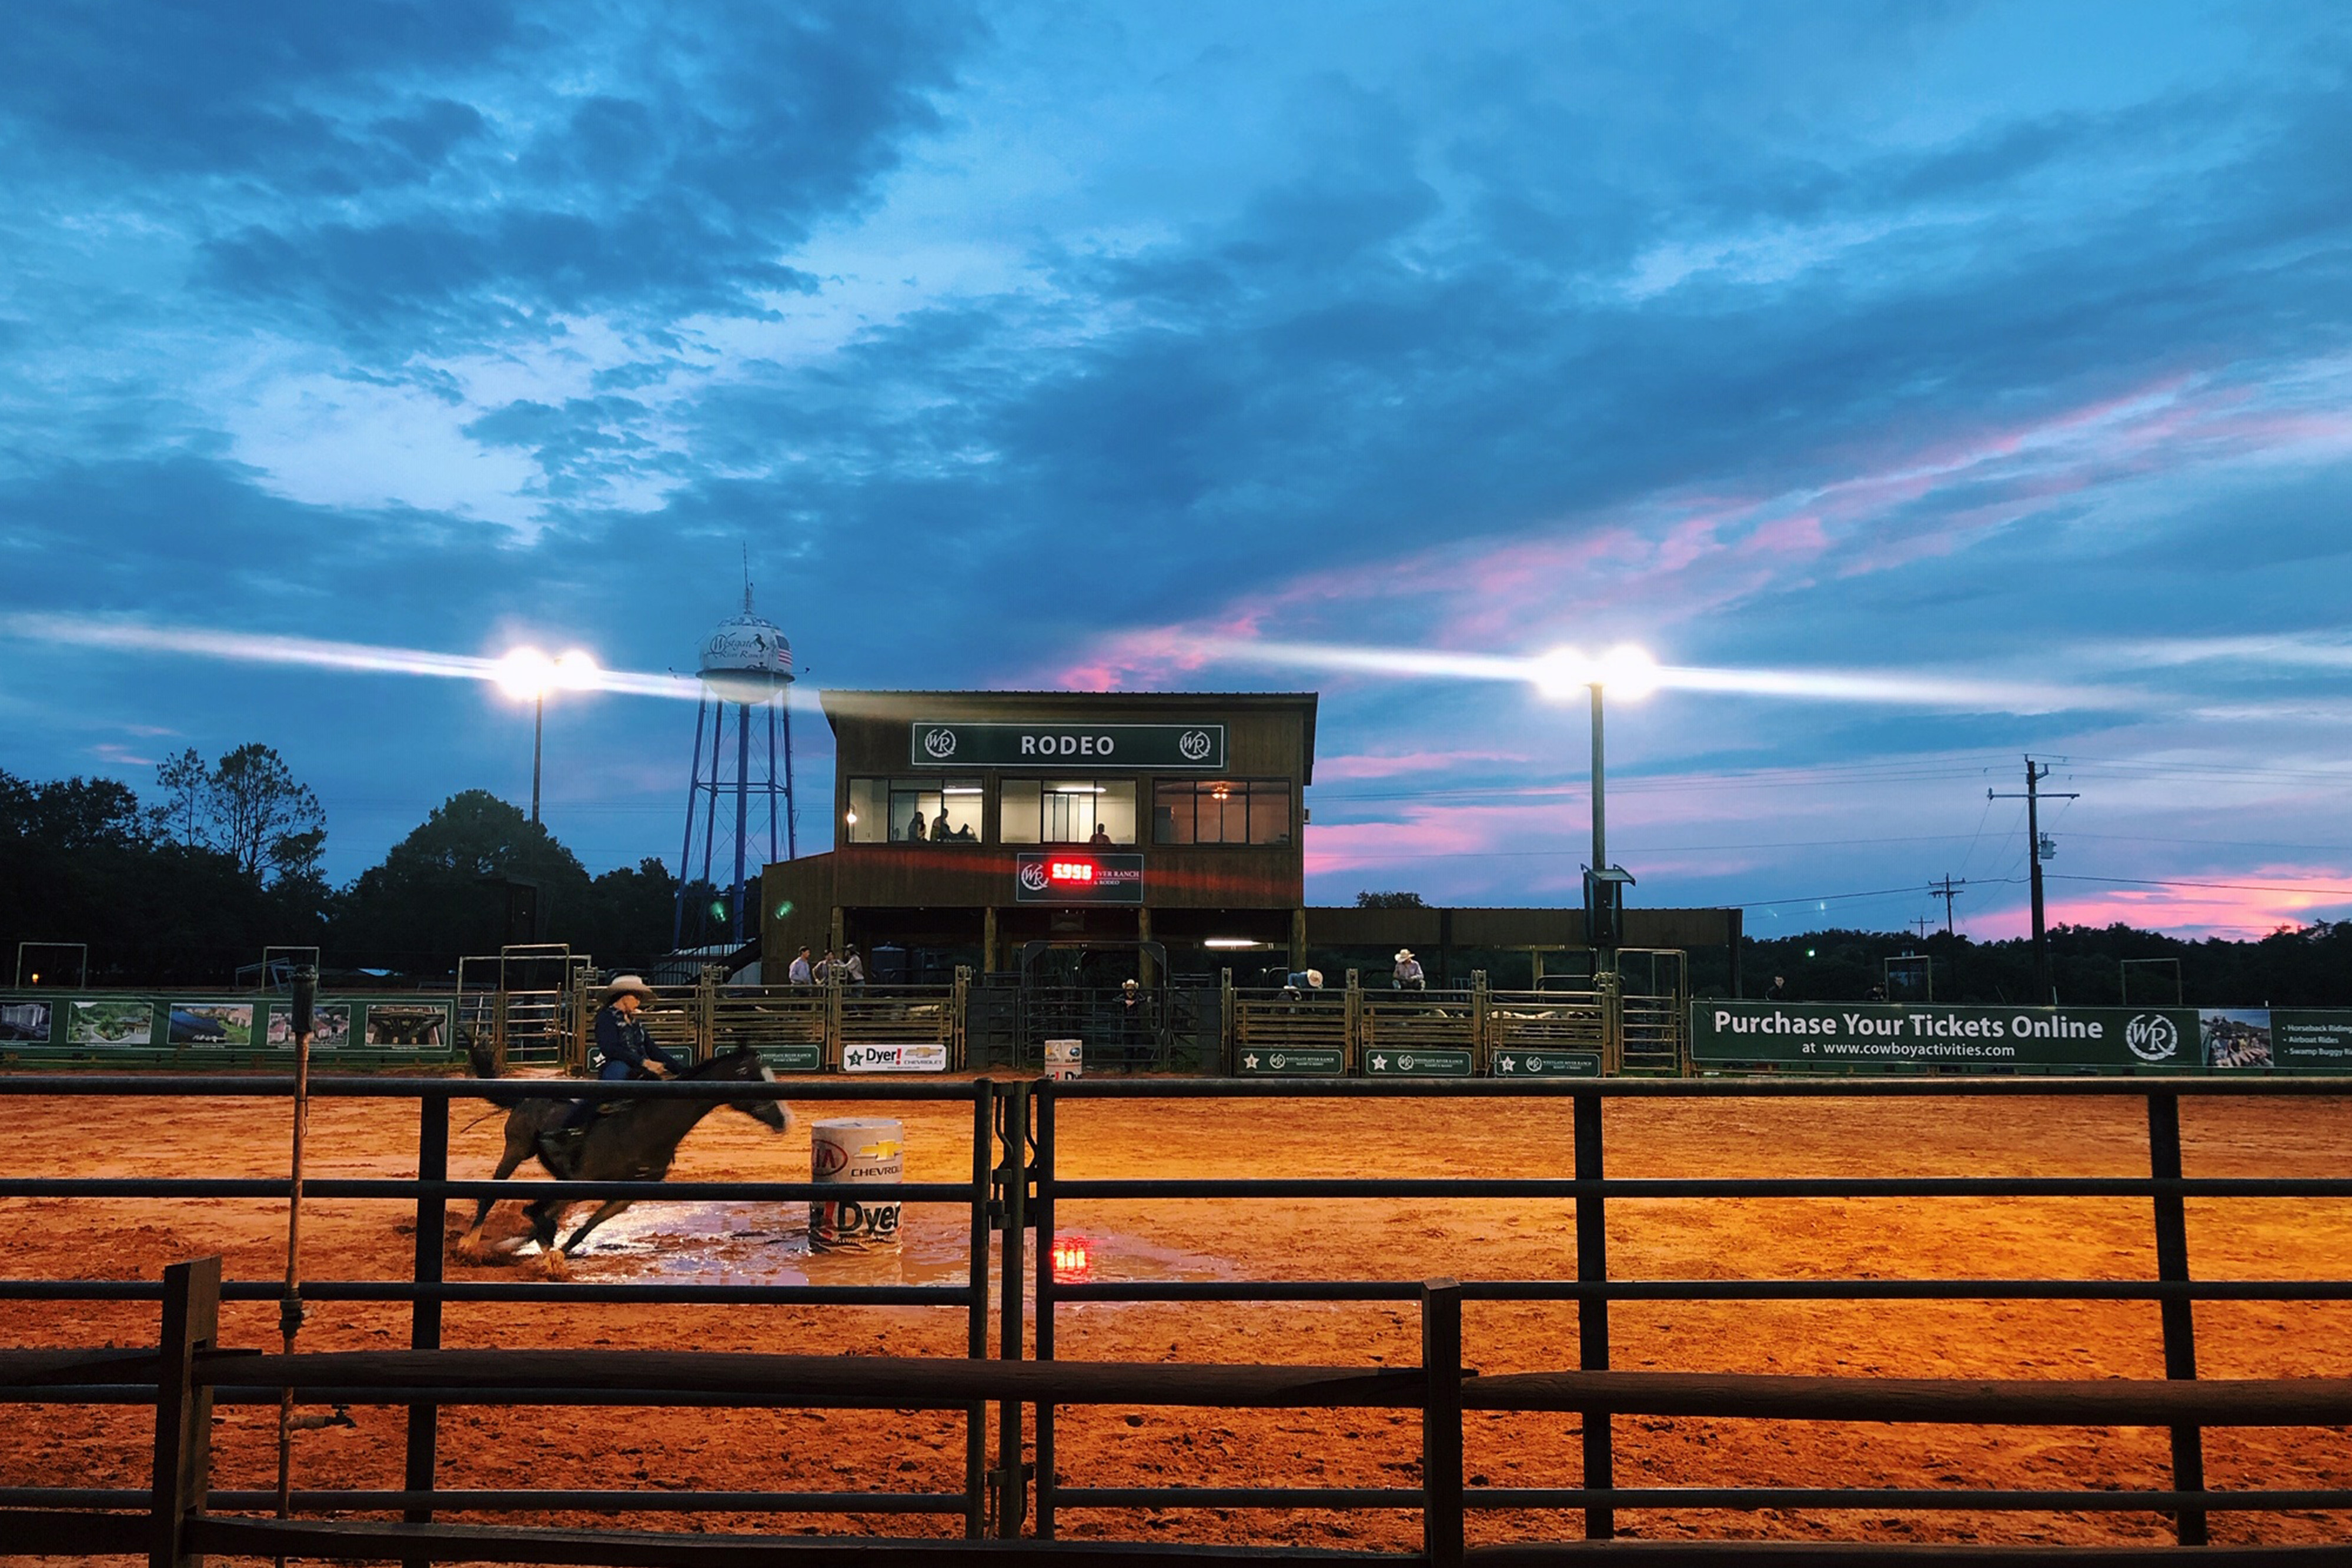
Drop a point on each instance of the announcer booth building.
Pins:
(969, 825)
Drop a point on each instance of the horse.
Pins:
(636, 1140)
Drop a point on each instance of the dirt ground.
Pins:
(842, 1450)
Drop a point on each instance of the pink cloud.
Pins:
(1679, 556)
(1388, 764)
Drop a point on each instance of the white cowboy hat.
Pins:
(1403, 954)
(1315, 979)
(627, 986)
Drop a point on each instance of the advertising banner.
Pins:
(110, 1021)
(943, 743)
(212, 1023)
(2288, 1039)
(1544, 1064)
(331, 1026)
(2313, 1042)
(1417, 1064)
(26, 1022)
(796, 1058)
(1076, 876)
(1888, 1034)
(1312, 1063)
(915, 1057)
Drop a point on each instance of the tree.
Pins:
(1389, 901)
(186, 810)
(250, 808)
(442, 892)
(262, 816)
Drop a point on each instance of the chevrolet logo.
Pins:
(882, 1150)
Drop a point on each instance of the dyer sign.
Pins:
(939, 743)
(1880, 1034)
(1076, 876)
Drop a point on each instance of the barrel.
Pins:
(860, 1152)
(1065, 1058)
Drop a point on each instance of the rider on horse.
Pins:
(623, 1050)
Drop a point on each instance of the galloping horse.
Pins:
(634, 1141)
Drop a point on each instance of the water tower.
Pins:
(746, 668)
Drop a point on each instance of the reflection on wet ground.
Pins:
(767, 1244)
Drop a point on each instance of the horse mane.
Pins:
(709, 1066)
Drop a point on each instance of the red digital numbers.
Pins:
(1070, 871)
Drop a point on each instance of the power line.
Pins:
(2178, 882)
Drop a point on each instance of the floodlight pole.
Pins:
(538, 733)
(1599, 813)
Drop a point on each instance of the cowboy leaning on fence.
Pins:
(623, 1050)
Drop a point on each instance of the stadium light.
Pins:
(1634, 674)
(526, 672)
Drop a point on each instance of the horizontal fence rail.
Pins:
(2182, 1405)
(1014, 1188)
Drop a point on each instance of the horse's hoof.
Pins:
(555, 1263)
(469, 1246)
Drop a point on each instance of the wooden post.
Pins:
(2177, 1312)
(1477, 1020)
(705, 1013)
(184, 1409)
(1351, 1042)
(959, 1018)
(1225, 1021)
(1298, 939)
(1593, 1314)
(988, 940)
(1440, 1422)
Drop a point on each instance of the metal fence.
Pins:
(1015, 1184)
(426, 1291)
(2181, 1403)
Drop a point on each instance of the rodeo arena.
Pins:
(1115, 1204)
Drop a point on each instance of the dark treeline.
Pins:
(185, 887)
(2308, 966)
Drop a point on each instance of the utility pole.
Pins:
(2034, 773)
(1947, 889)
(1921, 924)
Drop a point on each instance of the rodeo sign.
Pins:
(1882, 1034)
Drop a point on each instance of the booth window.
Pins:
(1221, 811)
(886, 810)
(1065, 811)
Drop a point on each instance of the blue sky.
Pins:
(1063, 345)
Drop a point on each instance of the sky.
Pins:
(1998, 355)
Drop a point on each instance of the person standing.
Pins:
(1408, 973)
(800, 974)
(853, 970)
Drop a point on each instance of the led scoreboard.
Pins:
(1078, 876)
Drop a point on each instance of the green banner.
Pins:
(1417, 1064)
(946, 743)
(1544, 1064)
(793, 1057)
(1289, 1062)
(1891, 1034)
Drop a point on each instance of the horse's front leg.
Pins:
(518, 1147)
(604, 1211)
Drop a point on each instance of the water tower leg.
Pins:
(686, 850)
